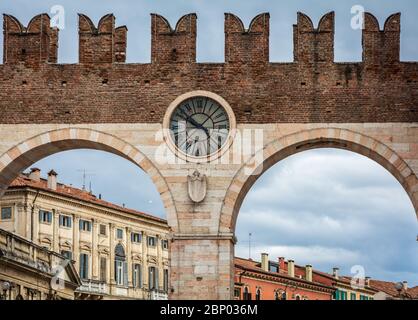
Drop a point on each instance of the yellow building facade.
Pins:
(118, 253)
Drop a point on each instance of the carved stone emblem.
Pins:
(197, 186)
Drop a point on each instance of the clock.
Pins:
(200, 125)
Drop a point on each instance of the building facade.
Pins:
(118, 253)
(31, 272)
(267, 280)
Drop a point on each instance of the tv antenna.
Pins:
(85, 175)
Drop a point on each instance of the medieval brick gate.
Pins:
(103, 103)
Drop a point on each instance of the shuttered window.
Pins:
(103, 269)
(65, 221)
(84, 266)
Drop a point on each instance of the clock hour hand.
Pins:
(199, 126)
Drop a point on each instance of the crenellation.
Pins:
(173, 45)
(104, 44)
(381, 47)
(314, 45)
(35, 44)
(247, 46)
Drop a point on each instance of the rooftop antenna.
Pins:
(85, 174)
(249, 245)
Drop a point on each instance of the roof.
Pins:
(255, 266)
(23, 181)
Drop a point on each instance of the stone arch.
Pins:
(312, 139)
(27, 152)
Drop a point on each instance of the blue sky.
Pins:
(323, 207)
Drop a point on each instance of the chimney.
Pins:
(335, 272)
(367, 281)
(291, 268)
(281, 264)
(308, 273)
(52, 180)
(405, 285)
(265, 261)
(35, 174)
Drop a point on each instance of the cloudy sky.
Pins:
(324, 207)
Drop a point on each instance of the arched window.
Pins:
(276, 295)
(121, 270)
(258, 295)
(297, 297)
(247, 294)
(284, 296)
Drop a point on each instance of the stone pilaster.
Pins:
(56, 226)
(202, 267)
(144, 260)
(76, 241)
(129, 255)
(94, 250)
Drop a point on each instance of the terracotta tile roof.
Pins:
(255, 266)
(23, 181)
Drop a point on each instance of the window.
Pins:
(103, 269)
(276, 295)
(153, 278)
(84, 266)
(151, 241)
(273, 267)
(297, 297)
(353, 296)
(121, 269)
(103, 230)
(343, 295)
(136, 237)
(85, 225)
(258, 295)
(119, 233)
(164, 244)
(247, 294)
(337, 295)
(65, 221)
(237, 293)
(137, 276)
(45, 216)
(284, 296)
(165, 282)
(6, 213)
(67, 254)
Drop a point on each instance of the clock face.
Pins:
(199, 126)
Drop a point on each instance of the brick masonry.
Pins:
(103, 103)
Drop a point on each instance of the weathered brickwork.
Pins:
(103, 103)
(103, 89)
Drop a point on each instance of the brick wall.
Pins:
(103, 89)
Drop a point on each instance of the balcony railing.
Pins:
(93, 286)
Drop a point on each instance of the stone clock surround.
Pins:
(197, 93)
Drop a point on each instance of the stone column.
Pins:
(129, 255)
(202, 267)
(76, 241)
(55, 241)
(94, 250)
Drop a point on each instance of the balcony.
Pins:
(93, 287)
(158, 295)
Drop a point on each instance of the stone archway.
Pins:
(303, 140)
(29, 151)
